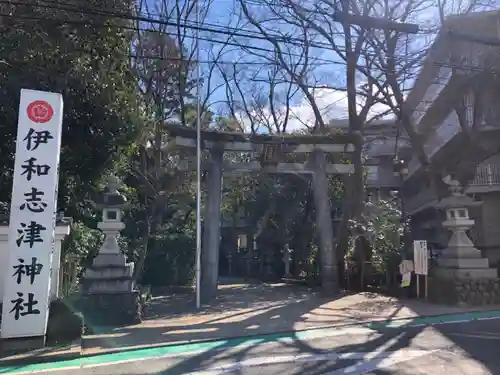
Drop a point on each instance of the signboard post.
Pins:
(32, 215)
(421, 263)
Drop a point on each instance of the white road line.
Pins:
(381, 361)
(330, 332)
(260, 361)
(369, 361)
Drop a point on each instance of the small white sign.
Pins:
(406, 280)
(406, 266)
(32, 215)
(420, 257)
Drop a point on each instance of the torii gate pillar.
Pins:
(211, 231)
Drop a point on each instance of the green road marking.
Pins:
(197, 347)
(148, 353)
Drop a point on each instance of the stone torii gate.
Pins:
(296, 154)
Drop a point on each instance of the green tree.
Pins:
(163, 70)
(86, 58)
(381, 225)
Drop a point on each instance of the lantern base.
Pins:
(465, 273)
(110, 309)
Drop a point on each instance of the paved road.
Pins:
(469, 348)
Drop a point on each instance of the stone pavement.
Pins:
(254, 309)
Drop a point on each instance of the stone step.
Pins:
(466, 252)
(109, 272)
(463, 263)
(103, 260)
(466, 273)
(110, 285)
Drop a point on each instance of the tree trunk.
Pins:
(353, 189)
(139, 266)
(324, 225)
(353, 203)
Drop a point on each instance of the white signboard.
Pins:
(420, 257)
(32, 215)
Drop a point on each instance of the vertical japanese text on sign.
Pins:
(420, 257)
(32, 215)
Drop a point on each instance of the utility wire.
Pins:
(120, 15)
(316, 60)
(233, 32)
(93, 11)
(224, 42)
(79, 9)
(408, 76)
(130, 28)
(58, 5)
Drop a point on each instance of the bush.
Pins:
(64, 325)
(170, 261)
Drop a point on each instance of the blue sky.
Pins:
(251, 77)
(253, 70)
(225, 13)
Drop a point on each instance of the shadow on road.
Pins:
(390, 341)
(246, 310)
(238, 311)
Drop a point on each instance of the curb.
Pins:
(74, 352)
(228, 342)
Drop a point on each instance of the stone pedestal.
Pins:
(473, 292)
(461, 259)
(111, 309)
(109, 273)
(109, 294)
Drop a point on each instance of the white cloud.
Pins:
(331, 103)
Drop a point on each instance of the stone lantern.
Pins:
(111, 203)
(108, 284)
(461, 259)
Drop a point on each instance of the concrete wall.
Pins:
(382, 176)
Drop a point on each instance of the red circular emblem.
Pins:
(40, 111)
